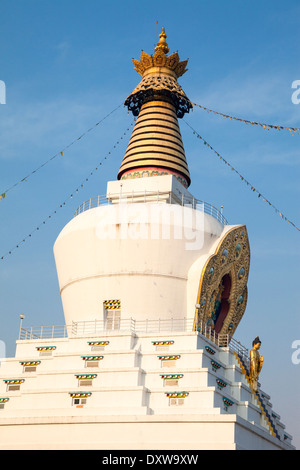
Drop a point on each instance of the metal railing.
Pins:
(153, 197)
(96, 327)
(44, 332)
(243, 353)
(224, 340)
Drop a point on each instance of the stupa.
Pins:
(153, 284)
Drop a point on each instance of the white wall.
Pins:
(140, 253)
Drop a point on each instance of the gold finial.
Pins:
(162, 43)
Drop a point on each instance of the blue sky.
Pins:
(67, 64)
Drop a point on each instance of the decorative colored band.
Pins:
(171, 376)
(92, 358)
(80, 395)
(177, 394)
(112, 304)
(46, 348)
(86, 376)
(169, 358)
(98, 343)
(215, 365)
(147, 173)
(221, 383)
(227, 402)
(210, 350)
(30, 363)
(162, 343)
(14, 381)
(4, 400)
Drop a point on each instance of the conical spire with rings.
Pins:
(156, 147)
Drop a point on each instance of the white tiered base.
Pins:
(126, 404)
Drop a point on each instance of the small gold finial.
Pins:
(162, 43)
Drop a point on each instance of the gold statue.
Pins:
(256, 363)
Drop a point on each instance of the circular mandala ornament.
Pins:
(225, 285)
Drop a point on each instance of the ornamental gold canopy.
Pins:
(160, 59)
(160, 73)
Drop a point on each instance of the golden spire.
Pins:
(162, 44)
(156, 147)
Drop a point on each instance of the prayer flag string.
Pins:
(260, 195)
(74, 193)
(292, 130)
(3, 195)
